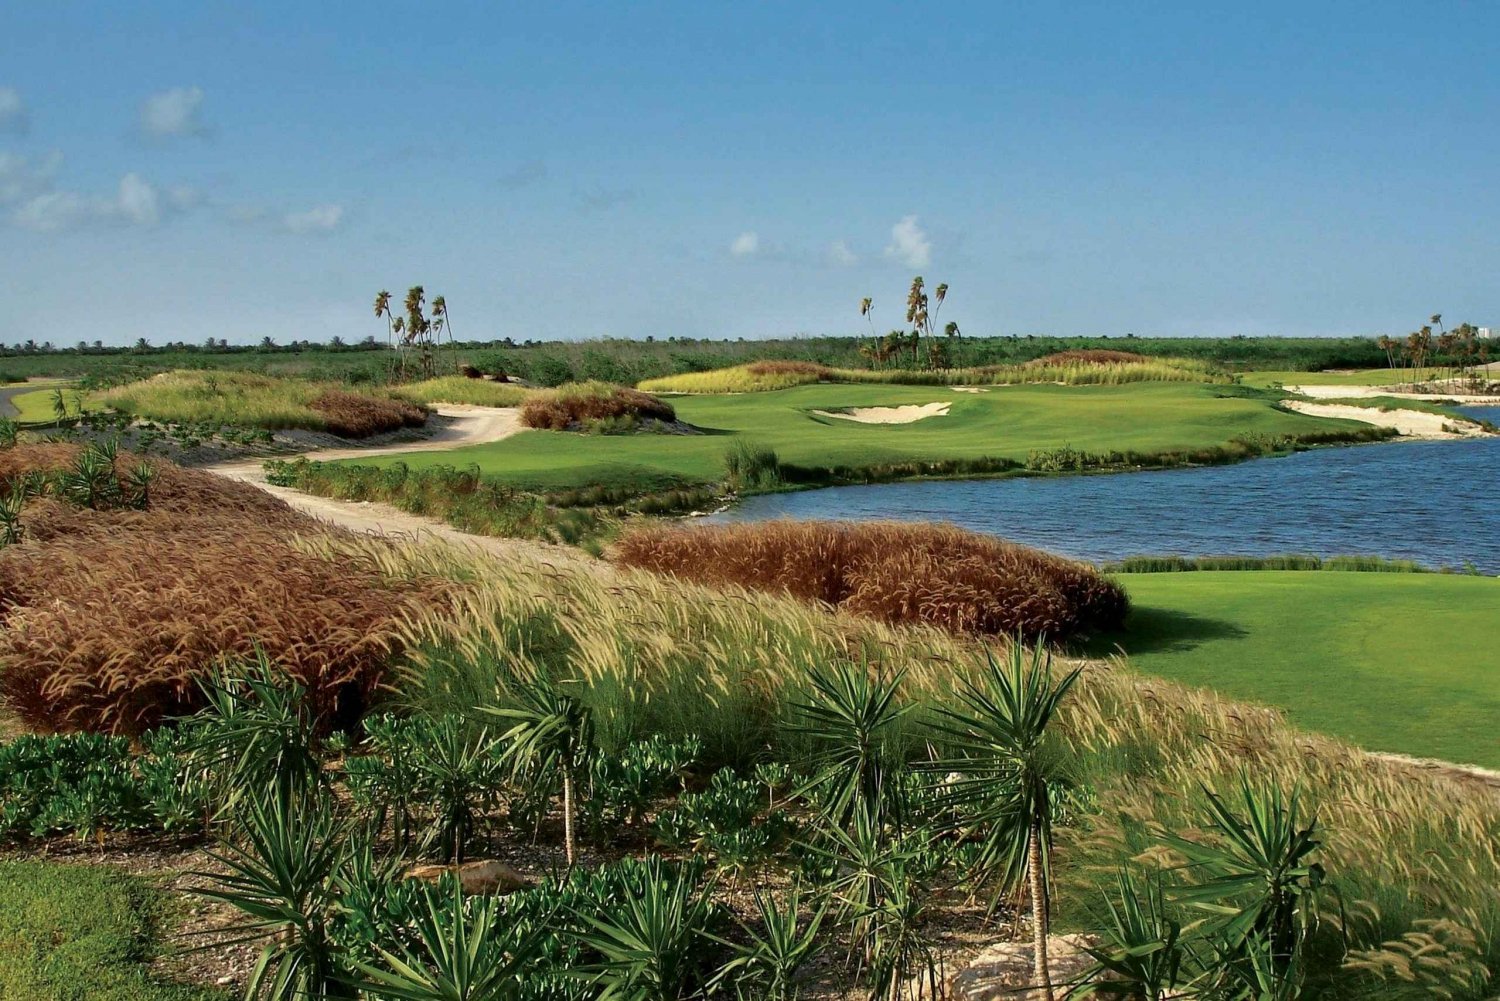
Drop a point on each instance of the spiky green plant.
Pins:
(652, 946)
(281, 871)
(850, 718)
(462, 952)
(1141, 953)
(775, 948)
(549, 741)
(1008, 770)
(1254, 876)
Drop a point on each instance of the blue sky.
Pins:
(179, 171)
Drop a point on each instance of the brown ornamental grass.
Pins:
(353, 415)
(109, 620)
(896, 572)
(578, 405)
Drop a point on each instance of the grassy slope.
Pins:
(1394, 662)
(1009, 421)
(1359, 377)
(69, 932)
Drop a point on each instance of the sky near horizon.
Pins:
(177, 171)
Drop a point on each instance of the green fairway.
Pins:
(36, 406)
(1009, 422)
(1393, 661)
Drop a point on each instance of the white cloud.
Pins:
(172, 113)
(747, 244)
(135, 203)
(22, 177)
(840, 254)
(909, 244)
(13, 117)
(318, 219)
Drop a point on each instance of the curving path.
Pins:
(470, 426)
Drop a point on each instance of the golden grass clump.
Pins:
(892, 571)
(577, 405)
(355, 416)
(1089, 356)
(246, 399)
(109, 619)
(458, 389)
(755, 377)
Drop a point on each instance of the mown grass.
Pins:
(1342, 377)
(244, 399)
(39, 406)
(991, 431)
(1394, 661)
(458, 389)
(656, 656)
(68, 932)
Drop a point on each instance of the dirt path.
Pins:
(470, 426)
(1410, 423)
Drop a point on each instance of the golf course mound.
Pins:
(596, 406)
(892, 571)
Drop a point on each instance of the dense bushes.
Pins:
(355, 416)
(593, 406)
(933, 574)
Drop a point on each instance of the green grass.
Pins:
(1008, 422)
(69, 933)
(1392, 661)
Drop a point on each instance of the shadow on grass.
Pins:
(1162, 630)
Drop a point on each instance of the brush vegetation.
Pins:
(934, 574)
(249, 400)
(593, 406)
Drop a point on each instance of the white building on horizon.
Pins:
(1485, 333)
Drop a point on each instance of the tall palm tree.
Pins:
(1009, 768)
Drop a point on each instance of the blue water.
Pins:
(1434, 502)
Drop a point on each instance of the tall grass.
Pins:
(245, 399)
(1071, 369)
(591, 406)
(458, 389)
(1406, 845)
(1290, 561)
(894, 572)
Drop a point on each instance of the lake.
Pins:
(1436, 502)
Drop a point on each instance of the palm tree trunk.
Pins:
(1039, 923)
(568, 815)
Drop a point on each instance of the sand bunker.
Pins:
(1410, 423)
(888, 415)
(968, 389)
(1366, 392)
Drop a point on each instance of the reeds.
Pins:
(895, 572)
(577, 406)
(458, 389)
(1088, 356)
(755, 377)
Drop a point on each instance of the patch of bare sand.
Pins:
(909, 414)
(1409, 423)
(1366, 392)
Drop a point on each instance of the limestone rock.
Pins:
(486, 876)
(998, 971)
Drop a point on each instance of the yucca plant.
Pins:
(10, 433)
(652, 946)
(1008, 770)
(257, 733)
(1254, 876)
(850, 717)
(775, 949)
(462, 952)
(11, 506)
(281, 870)
(455, 771)
(1141, 953)
(549, 740)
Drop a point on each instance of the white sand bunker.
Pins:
(888, 415)
(1410, 423)
(968, 389)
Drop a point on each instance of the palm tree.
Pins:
(1009, 769)
(550, 739)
